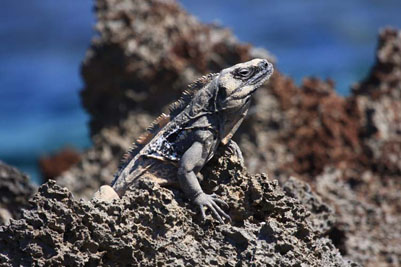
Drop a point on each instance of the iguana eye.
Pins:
(244, 72)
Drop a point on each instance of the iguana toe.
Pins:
(211, 201)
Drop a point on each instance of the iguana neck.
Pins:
(206, 111)
(231, 119)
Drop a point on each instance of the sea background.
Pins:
(42, 44)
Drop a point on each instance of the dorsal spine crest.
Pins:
(176, 107)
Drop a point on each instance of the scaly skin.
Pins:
(189, 139)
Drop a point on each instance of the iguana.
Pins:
(178, 145)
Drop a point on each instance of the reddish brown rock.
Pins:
(54, 165)
(320, 127)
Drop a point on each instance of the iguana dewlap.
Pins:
(177, 146)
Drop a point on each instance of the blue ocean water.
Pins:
(330, 38)
(42, 44)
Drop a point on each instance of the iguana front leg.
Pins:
(190, 164)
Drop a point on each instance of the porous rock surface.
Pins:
(347, 148)
(147, 52)
(15, 190)
(155, 226)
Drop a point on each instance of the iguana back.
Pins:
(153, 147)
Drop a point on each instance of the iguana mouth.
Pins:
(264, 74)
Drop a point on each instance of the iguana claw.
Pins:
(211, 201)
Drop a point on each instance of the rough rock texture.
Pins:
(15, 190)
(154, 226)
(99, 164)
(372, 183)
(299, 130)
(378, 98)
(347, 149)
(367, 227)
(147, 52)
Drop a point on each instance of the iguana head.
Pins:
(237, 83)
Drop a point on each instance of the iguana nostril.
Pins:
(264, 64)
